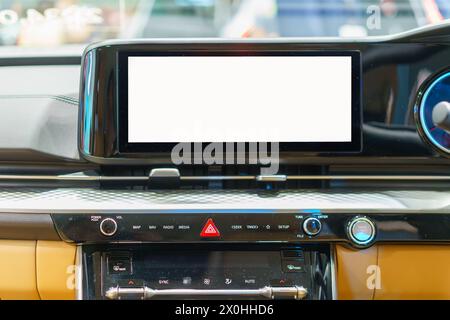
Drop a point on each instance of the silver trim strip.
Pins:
(145, 293)
(334, 292)
(164, 173)
(92, 178)
(271, 178)
(79, 273)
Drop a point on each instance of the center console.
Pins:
(207, 271)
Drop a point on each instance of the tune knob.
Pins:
(441, 115)
(361, 231)
(108, 227)
(312, 226)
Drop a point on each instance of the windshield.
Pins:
(49, 23)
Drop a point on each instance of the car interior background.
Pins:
(237, 149)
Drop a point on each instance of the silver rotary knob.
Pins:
(312, 226)
(108, 227)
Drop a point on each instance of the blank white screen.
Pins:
(239, 99)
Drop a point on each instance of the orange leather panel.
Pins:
(18, 270)
(352, 268)
(55, 269)
(414, 272)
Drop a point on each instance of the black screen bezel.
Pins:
(354, 146)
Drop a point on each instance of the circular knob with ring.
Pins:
(108, 227)
(312, 226)
(441, 115)
(361, 231)
(432, 112)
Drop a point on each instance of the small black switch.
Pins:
(294, 254)
(119, 265)
(293, 266)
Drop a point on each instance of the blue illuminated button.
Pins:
(361, 230)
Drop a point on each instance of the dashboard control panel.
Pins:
(194, 227)
(252, 226)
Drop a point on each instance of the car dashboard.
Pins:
(86, 215)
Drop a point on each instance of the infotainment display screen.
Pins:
(305, 101)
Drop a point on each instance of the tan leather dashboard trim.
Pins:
(18, 270)
(55, 270)
(389, 271)
(351, 269)
(414, 272)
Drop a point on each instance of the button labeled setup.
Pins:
(210, 230)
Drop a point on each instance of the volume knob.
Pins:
(108, 227)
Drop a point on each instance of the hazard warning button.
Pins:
(209, 230)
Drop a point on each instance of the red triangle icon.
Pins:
(210, 230)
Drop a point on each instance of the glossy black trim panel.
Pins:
(393, 70)
(285, 226)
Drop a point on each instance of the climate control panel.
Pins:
(207, 271)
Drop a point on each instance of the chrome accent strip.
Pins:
(164, 173)
(79, 273)
(334, 292)
(271, 178)
(212, 178)
(145, 293)
(370, 177)
(84, 177)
